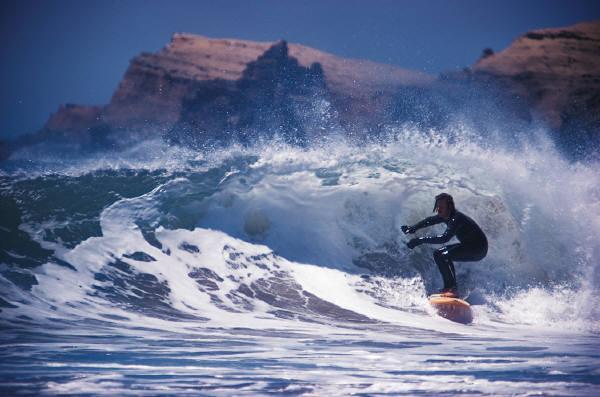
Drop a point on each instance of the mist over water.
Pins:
(271, 268)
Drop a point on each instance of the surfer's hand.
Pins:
(408, 229)
(413, 243)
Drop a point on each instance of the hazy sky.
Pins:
(67, 51)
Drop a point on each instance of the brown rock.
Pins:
(274, 95)
(74, 118)
(155, 85)
(554, 69)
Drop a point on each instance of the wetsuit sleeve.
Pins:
(442, 238)
(430, 221)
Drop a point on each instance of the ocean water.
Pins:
(278, 270)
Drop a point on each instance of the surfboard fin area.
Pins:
(453, 309)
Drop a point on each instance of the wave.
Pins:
(275, 233)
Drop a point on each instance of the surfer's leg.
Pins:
(462, 253)
(445, 256)
(445, 265)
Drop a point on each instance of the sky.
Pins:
(75, 51)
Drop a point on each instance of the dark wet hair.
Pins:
(444, 196)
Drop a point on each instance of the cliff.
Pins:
(156, 86)
(274, 94)
(197, 82)
(198, 89)
(556, 70)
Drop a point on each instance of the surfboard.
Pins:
(453, 309)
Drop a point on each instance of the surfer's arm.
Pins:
(440, 239)
(430, 221)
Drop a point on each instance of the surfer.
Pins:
(472, 246)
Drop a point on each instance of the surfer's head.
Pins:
(444, 205)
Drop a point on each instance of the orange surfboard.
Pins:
(453, 309)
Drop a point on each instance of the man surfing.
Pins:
(472, 246)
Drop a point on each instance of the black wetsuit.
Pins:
(473, 244)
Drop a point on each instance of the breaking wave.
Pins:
(313, 234)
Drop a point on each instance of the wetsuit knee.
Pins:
(446, 267)
(438, 254)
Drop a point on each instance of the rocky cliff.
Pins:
(208, 87)
(197, 89)
(274, 94)
(156, 86)
(556, 70)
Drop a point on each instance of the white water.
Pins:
(295, 223)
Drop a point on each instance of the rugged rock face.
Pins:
(557, 70)
(156, 86)
(275, 94)
(198, 89)
(73, 118)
